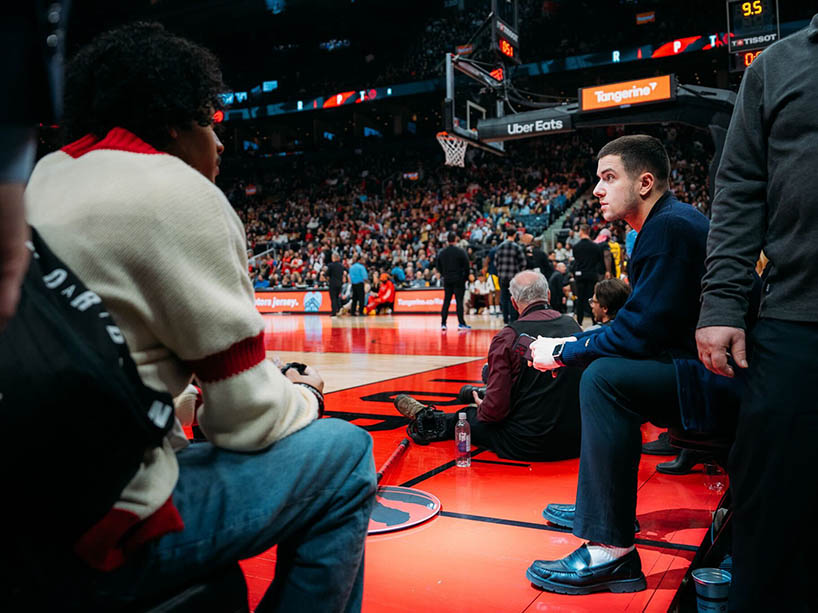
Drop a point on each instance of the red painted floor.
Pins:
(472, 557)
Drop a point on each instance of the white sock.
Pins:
(602, 554)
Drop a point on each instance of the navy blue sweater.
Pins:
(659, 319)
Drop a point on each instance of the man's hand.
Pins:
(310, 376)
(14, 255)
(477, 400)
(716, 342)
(542, 352)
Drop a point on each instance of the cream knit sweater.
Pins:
(164, 250)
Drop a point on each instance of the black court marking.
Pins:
(422, 372)
(503, 463)
(436, 471)
(550, 528)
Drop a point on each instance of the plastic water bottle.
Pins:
(462, 441)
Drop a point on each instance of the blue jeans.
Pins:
(310, 493)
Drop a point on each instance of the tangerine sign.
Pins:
(627, 93)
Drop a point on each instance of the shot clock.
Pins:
(505, 38)
(752, 25)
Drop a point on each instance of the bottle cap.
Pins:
(461, 416)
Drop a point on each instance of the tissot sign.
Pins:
(627, 93)
(522, 125)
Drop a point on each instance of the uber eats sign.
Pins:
(524, 125)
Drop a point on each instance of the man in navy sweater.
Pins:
(643, 367)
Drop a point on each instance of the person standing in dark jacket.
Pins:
(335, 272)
(767, 196)
(642, 367)
(588, 264)
(453, 264)
(557, 282)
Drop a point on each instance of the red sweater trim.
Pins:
(230, 362)
(118, 139)
(107, 544)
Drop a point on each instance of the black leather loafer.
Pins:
(574, 574)
(562, 515)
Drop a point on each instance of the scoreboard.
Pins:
(752, 25)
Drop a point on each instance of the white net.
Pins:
(454, 148)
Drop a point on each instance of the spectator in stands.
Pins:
(629, 378)
(453, 264)
(357, 277)
(560, 285)
(525, 414)
(609, 296)
(184, 514)
(766, 196)
(561, 253)
(261, 282)
(418, 281)
(509, 259)
(588, 267)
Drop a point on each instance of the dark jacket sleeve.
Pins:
(653, 312)
(502, 365)
(738, 219)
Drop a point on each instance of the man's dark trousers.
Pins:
(617, 396)
(335, 298)
(508, 310)
(775, 495)
(457, 290)
(585, 291)
(357, 299)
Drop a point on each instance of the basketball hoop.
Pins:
(454, 147)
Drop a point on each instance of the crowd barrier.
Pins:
(317, 301)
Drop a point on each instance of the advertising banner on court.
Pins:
(317, 301)
(628, 93)
(293, 301)
(421, 301)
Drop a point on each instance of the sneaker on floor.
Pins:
(443, 327)
(661, 446)
(408, 406)
(464, 327)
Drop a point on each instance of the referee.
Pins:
(453, 264)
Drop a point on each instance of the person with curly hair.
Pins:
(116, 204)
